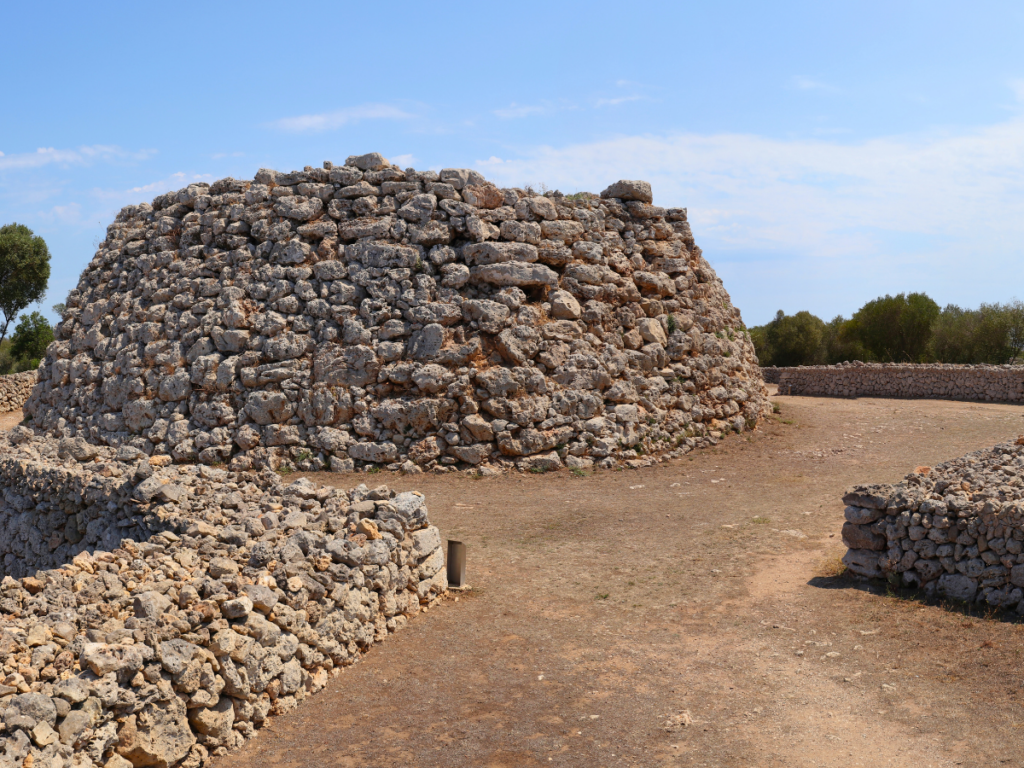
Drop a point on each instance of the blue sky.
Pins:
(828, 152)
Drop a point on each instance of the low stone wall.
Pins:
(15, 389)
(957, 530)
(990, 383)
(184, 605)
(771, 375)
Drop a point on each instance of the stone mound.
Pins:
(180, 606)
(362, 314)
(955, 530)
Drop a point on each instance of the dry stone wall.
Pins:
(957, 529)
(15, 389)
(990, 383)
(180, 606)
(363, 314)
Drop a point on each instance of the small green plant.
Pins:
(719, 334)
(787, 421)
(285, 469)
(671, 324)
(373, 470)
(418, 266)
(759, 520)
(602, 596)
(776, 408)
(303, 456)
(537, 470)
(580, 473)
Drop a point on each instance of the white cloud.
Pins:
(514, 111)
(147, 192)
(81, 156)
(802, 193)
(403, 161)
(329, 121)
(222, 155)
(67, 214)
(895, 212)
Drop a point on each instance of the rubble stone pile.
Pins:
(179, 606)
(15, 389)
(957, 529)
(989, 383)
(366, 315)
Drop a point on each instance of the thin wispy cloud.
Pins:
(403, 161)
(808, 84)
(818, 197)
(339, 118)
(515, 111)
(616, 101)
(66, 157)
(147, 191)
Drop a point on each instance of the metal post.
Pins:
(456, 564)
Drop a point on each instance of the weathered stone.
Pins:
(630, 190)
(861, 537)
(27, 710)
(863, 562)
(158, 736)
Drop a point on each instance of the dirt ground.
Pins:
(681, 615)
(10, 420)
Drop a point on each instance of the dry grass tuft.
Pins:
(832, 565)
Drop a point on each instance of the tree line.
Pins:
(906, 328)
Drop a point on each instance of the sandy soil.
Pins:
(681, 615)
(10, 420)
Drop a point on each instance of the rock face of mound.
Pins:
(366, 314)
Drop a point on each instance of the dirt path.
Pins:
(678, 615)
(10, 420)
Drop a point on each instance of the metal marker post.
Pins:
(456, 564)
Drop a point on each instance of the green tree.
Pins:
(840, 343)
(993, 333)
(32, 336)
(789, 339)
(953, 335)
(24, 271)
(759, 337)
(896, 328)
(1015, 328)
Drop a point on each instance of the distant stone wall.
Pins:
(955, 530)
(15, 389)
(990, 383)
(771, 375)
